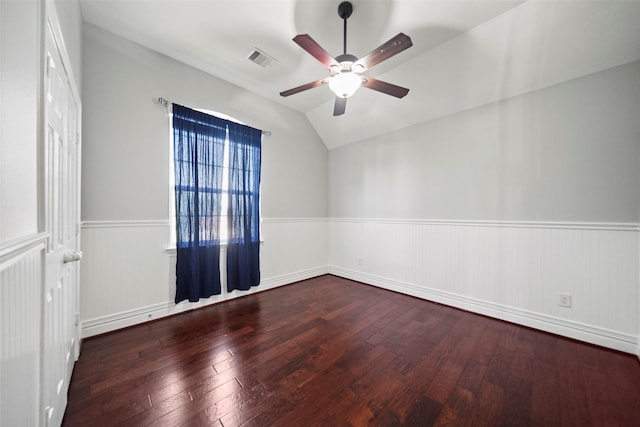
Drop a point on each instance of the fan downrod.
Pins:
(345, 9)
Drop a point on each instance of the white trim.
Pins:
(292, 220)
(576, 330)
(580, 331)
(51, 15)
(125, 319)
(612, 226)
(638, 337)
(17, 249)
(8, 247)
(125, 223)
(609, 226)
(165, 222)
(173, 251)
(296, 276)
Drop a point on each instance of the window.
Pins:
(223, 189)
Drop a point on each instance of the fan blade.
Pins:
(384, 87)
(303, 87)
(339, 106)
(307, 43)
(393, 47)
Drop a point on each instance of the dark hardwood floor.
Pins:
(332, 352)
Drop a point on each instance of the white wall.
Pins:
(510, 270)
(127, 274)
(500, 208)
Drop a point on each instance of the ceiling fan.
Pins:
(345, 70)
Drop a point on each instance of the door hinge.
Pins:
(50, 65)
(48, 414)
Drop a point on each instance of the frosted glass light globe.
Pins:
(345, 84)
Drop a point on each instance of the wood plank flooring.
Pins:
(332, 352)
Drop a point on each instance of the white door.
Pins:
(60, 341)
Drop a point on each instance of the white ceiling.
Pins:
(464, 54)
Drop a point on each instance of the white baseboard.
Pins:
(583, 332)
(587, 333)
(128, 318)
(297, 276)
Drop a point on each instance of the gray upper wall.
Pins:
(21, 36)
(126, 135)
(569, 152)
(19, 118)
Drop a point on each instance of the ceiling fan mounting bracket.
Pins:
(346, 58)
(345, 9)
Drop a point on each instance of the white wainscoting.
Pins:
(513, 271)
(509, 270)
(128, 274)
(21, 278)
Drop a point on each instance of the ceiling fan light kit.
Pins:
(345, 84)
(345, 70)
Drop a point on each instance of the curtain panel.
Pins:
(243, 245)
(199, 141)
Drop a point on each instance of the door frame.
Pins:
(66, 328)
(51, 21)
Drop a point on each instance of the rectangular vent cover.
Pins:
(260, 58)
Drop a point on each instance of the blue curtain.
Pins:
(198, 158)
(243, 245)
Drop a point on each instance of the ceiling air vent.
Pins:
(260, 58)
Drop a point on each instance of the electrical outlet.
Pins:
(564, 300)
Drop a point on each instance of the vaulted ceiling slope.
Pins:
(465, 53)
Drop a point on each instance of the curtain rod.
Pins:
(166, 102)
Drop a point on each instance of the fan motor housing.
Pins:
(346, 62)
(346, 58)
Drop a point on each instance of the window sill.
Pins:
(223, 247)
